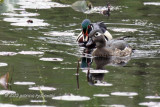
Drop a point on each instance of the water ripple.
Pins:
(71, 97)
(40, 4)
(8, 53)
(43, 88)
(102, 83)
(130, 94)
(24, 22)
(152, 3)
(152, 97)
(24, 83)
(150, 104)
(51, 59)
(3, 64)
(3, 92)
(30, 52)
(101, 95)
(23, 13)
(123, 29)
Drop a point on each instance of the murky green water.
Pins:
(38, 61)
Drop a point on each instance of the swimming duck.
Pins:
(104, 48)
(107, 11)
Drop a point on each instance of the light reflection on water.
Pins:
(3, 64)
(24, 83)
(51, 59)
(150, 104)
(114, 105)
(39, 4)
(42, 88)
(8, 53)
(152, 3)
(22, 14)
(3, 92)
(101, 95)
(152, 97)
(71, 98)
(130, 94)
(23, 22)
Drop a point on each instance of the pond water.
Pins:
(39, 55)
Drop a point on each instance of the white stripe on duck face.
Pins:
(108, 35)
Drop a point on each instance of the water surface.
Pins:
(39, 55)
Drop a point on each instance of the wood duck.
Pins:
(107, 11)
(104, 48)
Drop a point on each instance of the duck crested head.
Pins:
(98, 38)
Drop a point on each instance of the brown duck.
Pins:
(104, 48)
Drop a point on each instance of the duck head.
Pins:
(97, 38)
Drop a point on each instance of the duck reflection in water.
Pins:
(86, 59)
(96, 77)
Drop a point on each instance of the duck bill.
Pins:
(85, 38)
(89, 43)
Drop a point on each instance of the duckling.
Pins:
(114, 47)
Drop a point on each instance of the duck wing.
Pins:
(119, 44)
